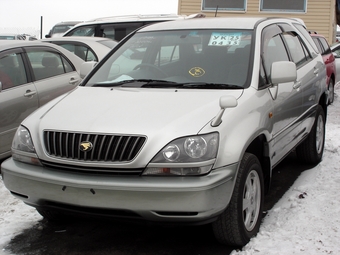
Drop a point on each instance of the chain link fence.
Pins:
(35, 32)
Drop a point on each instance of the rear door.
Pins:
(310, 75)
(18, 96)
(53, 73)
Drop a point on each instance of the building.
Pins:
(318, 15)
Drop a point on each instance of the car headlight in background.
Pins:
(22, 147)
(193, 155)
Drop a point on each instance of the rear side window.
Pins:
(325, 45)
(47, 64)
(12, 70)
(114, 30)
(82, 51)
(297, 50)
(117, 31)
(318, 45)
(83, 31)
(305, 33)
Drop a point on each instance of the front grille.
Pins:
(105, 147)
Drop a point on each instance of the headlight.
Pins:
(22, 147)
(193, 155)
(22, 140)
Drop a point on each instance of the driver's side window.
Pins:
(273, 49)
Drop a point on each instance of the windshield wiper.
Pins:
(150, 83)
(146, 82)
(206, 85)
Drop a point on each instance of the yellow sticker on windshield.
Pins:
(225, 39)
(196, 71)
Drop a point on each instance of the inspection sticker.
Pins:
(225, 39)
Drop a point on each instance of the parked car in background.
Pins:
(59, 29)
(12, 37)
(87, 48)
(117, 27)
(31, 74)
(335, 48)
(329, 60)
(29, 37)
(183, 131)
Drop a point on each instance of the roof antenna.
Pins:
(216, 10)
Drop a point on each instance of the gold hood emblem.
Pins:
(196, 71)
(85, 146)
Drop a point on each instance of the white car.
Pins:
(87, 48)
(117, 27)
(60, 28)
(9, 36)
(31, 74)
(181, 123)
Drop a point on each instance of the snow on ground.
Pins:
(306, 220)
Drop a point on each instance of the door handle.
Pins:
(316, 71)
(73, 80)
(30, 93)
(297, 85)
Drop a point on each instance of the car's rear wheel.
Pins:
(242, 218)
(311, 150)
(331, 91)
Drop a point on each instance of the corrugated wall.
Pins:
(320, 16)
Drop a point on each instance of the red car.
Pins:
(329, 59)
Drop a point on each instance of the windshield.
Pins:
(193, 58)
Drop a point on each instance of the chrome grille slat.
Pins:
(133, 147)
(124, 148)
(66, 142)
(116, 148)
(109, 146)
(60, 143)
(106, 147)
(55, 147)
(94, 144)
(73, 139)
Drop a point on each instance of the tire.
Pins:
(242, 218)
(310, 151)
(331, 91)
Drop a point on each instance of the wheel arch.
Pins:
(323, 101)
(259, 147)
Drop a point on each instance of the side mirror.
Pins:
(86, 67)
(283, 71)
(225, 102)
(49, 34)
(335, 55)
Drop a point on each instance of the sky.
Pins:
(305, 221)
(24, 16)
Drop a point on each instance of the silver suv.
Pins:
(182, 122)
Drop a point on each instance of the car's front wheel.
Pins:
(242, 218)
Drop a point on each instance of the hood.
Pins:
(134, 111)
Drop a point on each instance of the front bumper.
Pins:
(164, 199)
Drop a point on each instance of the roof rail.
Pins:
(149, 16)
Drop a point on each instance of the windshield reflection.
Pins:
(182, 57)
